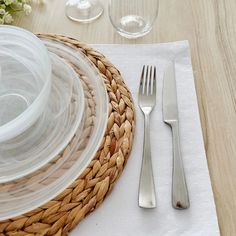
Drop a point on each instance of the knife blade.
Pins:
(170, 106)
(180, 198)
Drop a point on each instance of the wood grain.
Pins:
(210, 27)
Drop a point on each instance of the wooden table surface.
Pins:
(210, 27)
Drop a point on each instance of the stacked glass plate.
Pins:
(53, 115)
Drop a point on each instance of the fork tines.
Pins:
(148, 80)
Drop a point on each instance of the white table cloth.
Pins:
(120, 215)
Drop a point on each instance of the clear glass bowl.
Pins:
(25, 78)
(54, 129)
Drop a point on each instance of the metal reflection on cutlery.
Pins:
(147, 101)
(180, 198)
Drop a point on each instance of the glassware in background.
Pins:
(133, 18)
(83, 11)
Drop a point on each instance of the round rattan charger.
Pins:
(62, 214)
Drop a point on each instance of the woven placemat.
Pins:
(62, 214)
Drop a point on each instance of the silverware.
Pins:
(180, 198)
(147, 101)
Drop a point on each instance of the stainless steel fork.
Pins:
(147, 101)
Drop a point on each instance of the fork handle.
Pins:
(147, 198)
(180, 198)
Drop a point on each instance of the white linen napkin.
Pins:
(120, 215)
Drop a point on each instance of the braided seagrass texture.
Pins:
(62, 214)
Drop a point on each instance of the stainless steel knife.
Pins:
(180, 198)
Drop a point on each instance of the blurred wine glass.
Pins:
(83, 11)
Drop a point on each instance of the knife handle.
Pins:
(180, 198)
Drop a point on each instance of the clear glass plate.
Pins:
(31, 191)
